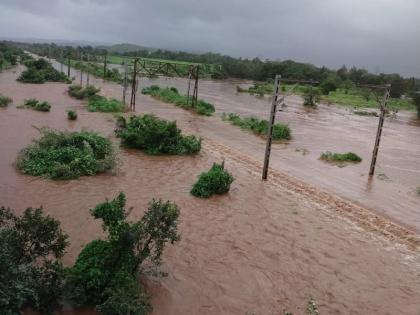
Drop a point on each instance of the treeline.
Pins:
(9, 55)
(254, 69)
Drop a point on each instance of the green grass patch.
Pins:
(66, 155)
(258, 89)
(100, 103)
(71, 115)
(171, 95)
(34, 104)
(340, 157)
(156, 136)
(41, 71)
(5, 101)
(258, 126)
(81, 93)
(215, 181)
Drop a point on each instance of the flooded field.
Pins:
(266, 246)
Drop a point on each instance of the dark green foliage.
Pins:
(66, 155)
(259, 89)
(79, 92)
(71, 115)
(258, 126)
(31, 273)
(171, 95)
(5, 101)
(156, 136)
(329, 84)
(34, 104)
(216, 181)
(100, 103)
(340, 157)
(40, 71)
(416, 100)
(105, 273)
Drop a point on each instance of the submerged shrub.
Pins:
(34, 104)
(66, 155)
(71, 115)
(340, 157)
(171, 95)
(258, 126)
(5, 101)
(40, 71)
(100, 103)
(215, 181)
(156, 136)
(106, 272)
(79, 92)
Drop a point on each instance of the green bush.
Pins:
(340, 157)
(258, 126)
(5, 101)
(105, 273)
(416, 101)
(100, 103)
(216, 181)
(71, 115)
(171, 95)
(156, 136)
(311, 96)
(40, 71)
(79, 92)
(31, 273)
(66, 155)
(34, 104)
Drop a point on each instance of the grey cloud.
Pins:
(381, 35)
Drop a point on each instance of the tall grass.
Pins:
(171, 95)
(258, 126)
(100, 103)
(5, 101)
(34, 104)
(66, 155)
(81, 93)
(156, 136)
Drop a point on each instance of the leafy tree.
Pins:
(416, 100)
(105, 273)
(31, 273)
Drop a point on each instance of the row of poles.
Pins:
(279, 99)
(193, 74)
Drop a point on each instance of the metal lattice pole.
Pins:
(271, 121)
(125, 79)
(87, 72)
(81, 71)
(379, 131)
(134, 87)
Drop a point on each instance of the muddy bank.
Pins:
(261, 248)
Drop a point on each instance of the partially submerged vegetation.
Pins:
(106, 272)
(171, 95)
(34, 104)
(215, 181)
(71, 115)
(156, 136)
(66, 155)
(41, 71)
(258, 126)
(100, 103)
(5, 101)
(81, 93)
(340, 157)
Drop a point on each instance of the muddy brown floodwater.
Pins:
(265, 246)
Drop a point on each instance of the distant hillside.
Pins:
(124, 48)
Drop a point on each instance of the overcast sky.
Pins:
(381, 35)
